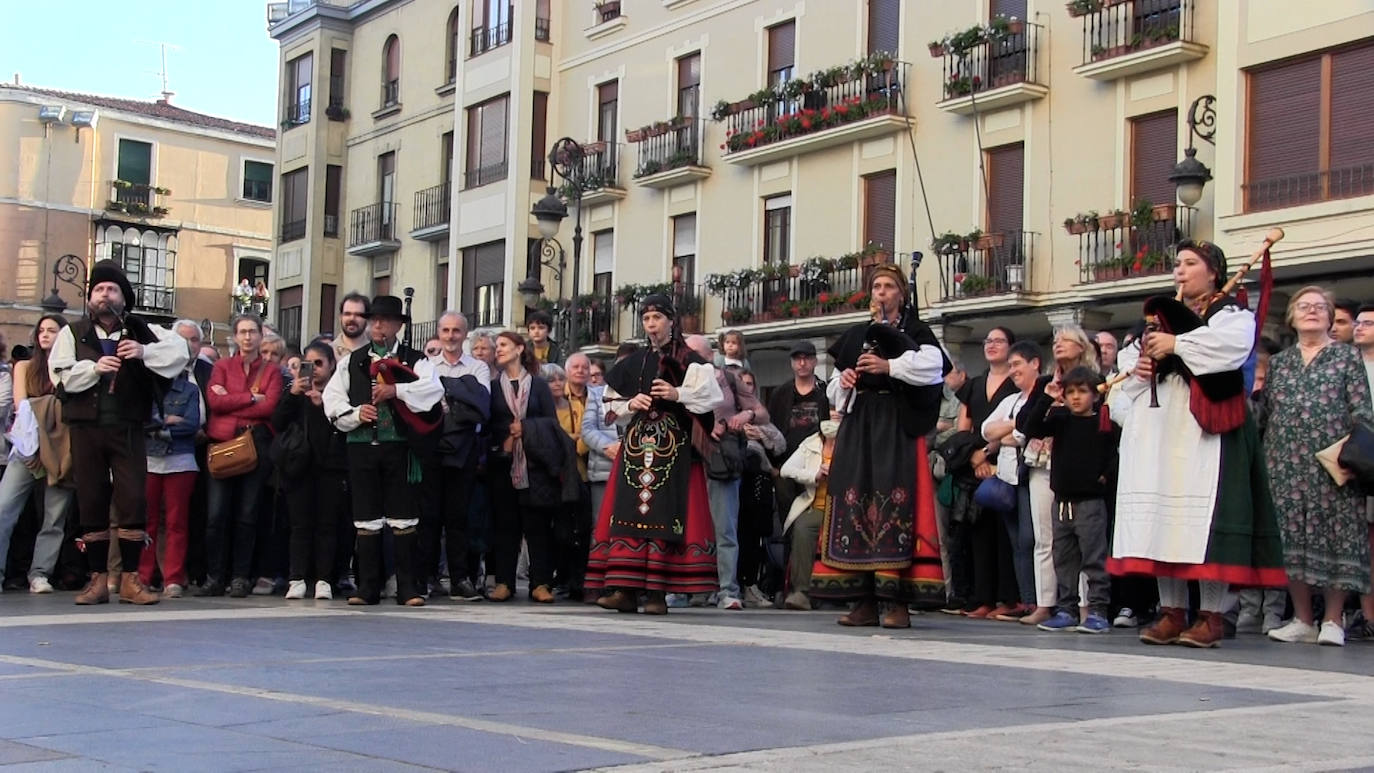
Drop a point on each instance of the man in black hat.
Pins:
(109, 367)
(385, 396)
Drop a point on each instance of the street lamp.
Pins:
(566, 161)
(67, 268)
(1190, 175)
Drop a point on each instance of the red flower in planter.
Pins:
(959, 279)
(806, 123)
(977, 81)
(722, 146)
(823, 298)
(1137, 266)
(841, 109)
(825, 113)
(760, 123)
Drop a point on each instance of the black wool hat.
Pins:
(110, 271)
(388, 306)
(658, 302)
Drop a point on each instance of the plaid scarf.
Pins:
(519, 403)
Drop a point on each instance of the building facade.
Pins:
(183, 200)
(755, 157)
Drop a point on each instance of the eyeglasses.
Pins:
(990, 341)
(1365, 323)
(1305, 306)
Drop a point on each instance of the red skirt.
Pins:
(688, 566)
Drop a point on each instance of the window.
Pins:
(391, 72)
(607, 106)
(289, 314)
(327, 296)
(441, 282)
(539, 136)
(689, 85)
(483, 290)
(333, 175)
(298, 73)
(781, 53)
(603, 260)
(135, 162)
(492, 19)
(338, 62)
(294, 185)
(685, 250)
(257, 181)
(446, 156)
(149, 258)
(884, 24)
(541, 20)
(386, 192)
(880, 209)
(777, 229)
(381, 275)
(451, 47)
(381, 285)
(1154, 151)
(486, 152)
(1323, 148)
(1006, 183)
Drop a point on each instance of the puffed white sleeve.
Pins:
(615, 408)
(1223, 344)
(167, 356)
(837, 395)
(64, 368)
(424, 392)
(700, 391)
(340, 412)
(924, 366)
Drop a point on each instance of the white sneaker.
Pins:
(40, 584)
(173, 591)
(1296, 631)
(263, 587)
(729, 602)
(296, 590)
(322, 591)
(753, 597)
(1332, 634)
(1125, 619)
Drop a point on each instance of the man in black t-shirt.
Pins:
(797, 410)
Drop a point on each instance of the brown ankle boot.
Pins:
(864, 613)
(620, 601)
(133, 591)
(655, 603)
(97, 591)
(1205, 633)
(898, 616)
(1167, 628)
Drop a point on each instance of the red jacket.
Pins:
(232, 413)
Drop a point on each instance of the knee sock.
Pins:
(131, 548)
(1215, 596)
(97, 549)
(1173, 592)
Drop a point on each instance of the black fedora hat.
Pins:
(388, 306)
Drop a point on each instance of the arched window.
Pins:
(452, 46)
(391, 71)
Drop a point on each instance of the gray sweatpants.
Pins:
(1080, 545)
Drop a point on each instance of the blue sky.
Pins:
(223, 62)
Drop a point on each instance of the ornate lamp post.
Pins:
(1190, 175)
(72, 270)
(566, 163)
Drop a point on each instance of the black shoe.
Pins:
(209, 588)
(465, 591)
(239, 588)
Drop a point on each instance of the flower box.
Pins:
(1076, 228)
(1106, 273)
(990, 241)
(1164, 212)
(1113, 220)
(937, 50)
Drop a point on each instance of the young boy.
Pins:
(1082, 460)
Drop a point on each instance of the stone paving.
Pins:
(260, 684)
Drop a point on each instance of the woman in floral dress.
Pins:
(1317, 390)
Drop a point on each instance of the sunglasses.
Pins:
(316, 363)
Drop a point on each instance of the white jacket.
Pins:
(803, 466)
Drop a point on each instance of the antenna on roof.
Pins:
(167, 93)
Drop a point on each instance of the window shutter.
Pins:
(393, 58)
(539, 137)
(1284, 121)
(782, 46)
(603, 247)
(327, 293)
(689, 71)
(493, 132)
(684, 235)
(1352, 107)
(135, 162)
(884, 23)
(1007, 181)
(880, 209)
(608, 92)
(490, 265)
(1154, 145)
(289, 297)
(332, 184)
(1007, 8)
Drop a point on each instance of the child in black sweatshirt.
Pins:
(1082, 461)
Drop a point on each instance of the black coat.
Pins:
(543, 460)
(468, 409)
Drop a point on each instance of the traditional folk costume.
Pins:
(1193, 498)
(878, 539)
(654, 532)
(383, 466)
(106, 414)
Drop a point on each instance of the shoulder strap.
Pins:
(262, 370)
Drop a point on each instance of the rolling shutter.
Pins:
(1352, 107)
(1285, 128)
(1007, 8)
(1007, 181)
(782, 48)
(884, 25)
(880, 209)
(1154, 145)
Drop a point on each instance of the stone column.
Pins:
(1091, 320)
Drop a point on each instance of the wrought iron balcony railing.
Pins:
(432, 206)
(1122, 247)
(1117, 29)
(484, 39)
(1307, 188)
(674, 147)
(807, 107)
(996, 264)
(373, 223)
(993, 63)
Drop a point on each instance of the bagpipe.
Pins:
(1216, 400)
(389, 371)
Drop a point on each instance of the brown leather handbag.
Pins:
(238, 456)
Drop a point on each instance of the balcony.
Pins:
(291, 230)
(1135, 245)
(599, 174)
(990, 68)
(391, 100)
(485, 175)
(372, 229)
(827, 291)
(1138, 36)
(137, 200)
(839, 106)
(155, 299)
(669, 153)
(1309, 188)
(431, 213)
(297, 114)
(996, 264)
(484, 39)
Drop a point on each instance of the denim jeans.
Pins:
(724, 496)
(1022, 536)
(15, 487)
(233, 504)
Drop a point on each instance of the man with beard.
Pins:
(353, 311)
(109, 368)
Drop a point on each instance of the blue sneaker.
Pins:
(1095, 623)
(1062, 621)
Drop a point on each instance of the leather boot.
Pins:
(620, 601)
(403, 543)
(864, 613)
(655, 603)
(133, 591)
(898, 616)
(1206, 632)
(1166, 629)
(97, 591)
(369, 564)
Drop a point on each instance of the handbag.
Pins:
(1357, 455)
(995, 494)
(726, 461)
(238, 456)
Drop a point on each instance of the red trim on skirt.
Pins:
(688, 566)
(1245, 576)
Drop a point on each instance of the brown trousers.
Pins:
(110, 467)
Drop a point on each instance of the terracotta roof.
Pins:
(154, 109)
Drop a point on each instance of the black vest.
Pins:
(135, 388)
(360, 385)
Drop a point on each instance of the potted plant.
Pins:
(948, 242)
(1084, 7)
(1163, 213)
(1016, 274)
(937, 48)
(115, 206)
(858, 300)
(982, 241)
(874, 256)
(1142, 214)
(161, 211)
(975, 284)
(1115, 218)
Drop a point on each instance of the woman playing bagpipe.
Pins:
(878, 536)
(1193, 498)
(654, 532)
